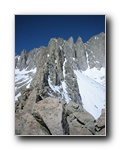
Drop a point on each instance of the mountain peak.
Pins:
(79, 40)
(71, 40)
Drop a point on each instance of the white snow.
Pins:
(96, 75)
(23, 76)
(97, 62)
(55, 61)
(58, 89)
(96, 37)
(92, 93)
(18, 57)
(74, 59)
(87, 57)
(55, 40)
(54, 88)
(60, 47)
(64, 84)
(16, 97)
(64, 67)
(65, 92)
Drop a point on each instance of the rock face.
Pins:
(51, 116)
(47, 90)
(95, 50)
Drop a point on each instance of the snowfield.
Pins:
(92, 93)
(96, 75)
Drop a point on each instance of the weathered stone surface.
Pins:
(100, 124)
(50, 110)
(90, 126)
(84, 117)
(101, 120)
(95, 48)
(25, 124)
(101, 132)
(75, 128)
(72, 107)
(30, 103)
(23, 59)
(81, 54)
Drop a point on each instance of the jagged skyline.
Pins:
(32, 31)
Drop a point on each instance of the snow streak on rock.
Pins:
(23, 78)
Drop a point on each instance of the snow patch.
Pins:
(97, 62)
(74, 59)
(64, 67)
(87, 58)
(56, 61)
(96, 38)
(60, 47)
(54, 88)
(23, 76)
(18, 95)
(65, 92)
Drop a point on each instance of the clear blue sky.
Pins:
(32, 31)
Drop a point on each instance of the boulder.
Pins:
(83, 117)
(26, 124)
(75, 128)
(50, 111)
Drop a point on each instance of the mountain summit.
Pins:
(67, 71)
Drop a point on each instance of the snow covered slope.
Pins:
(23, 78)
(96, 75)
(92, 93)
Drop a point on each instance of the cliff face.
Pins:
(51, 71)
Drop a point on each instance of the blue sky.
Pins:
(32, 31)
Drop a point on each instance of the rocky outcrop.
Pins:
(26, 124)
(53, 119)
(95, 50)
(27, 60)
(81, 54)
(51, 116)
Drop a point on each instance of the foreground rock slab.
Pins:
(50, 112)
(26, 124)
